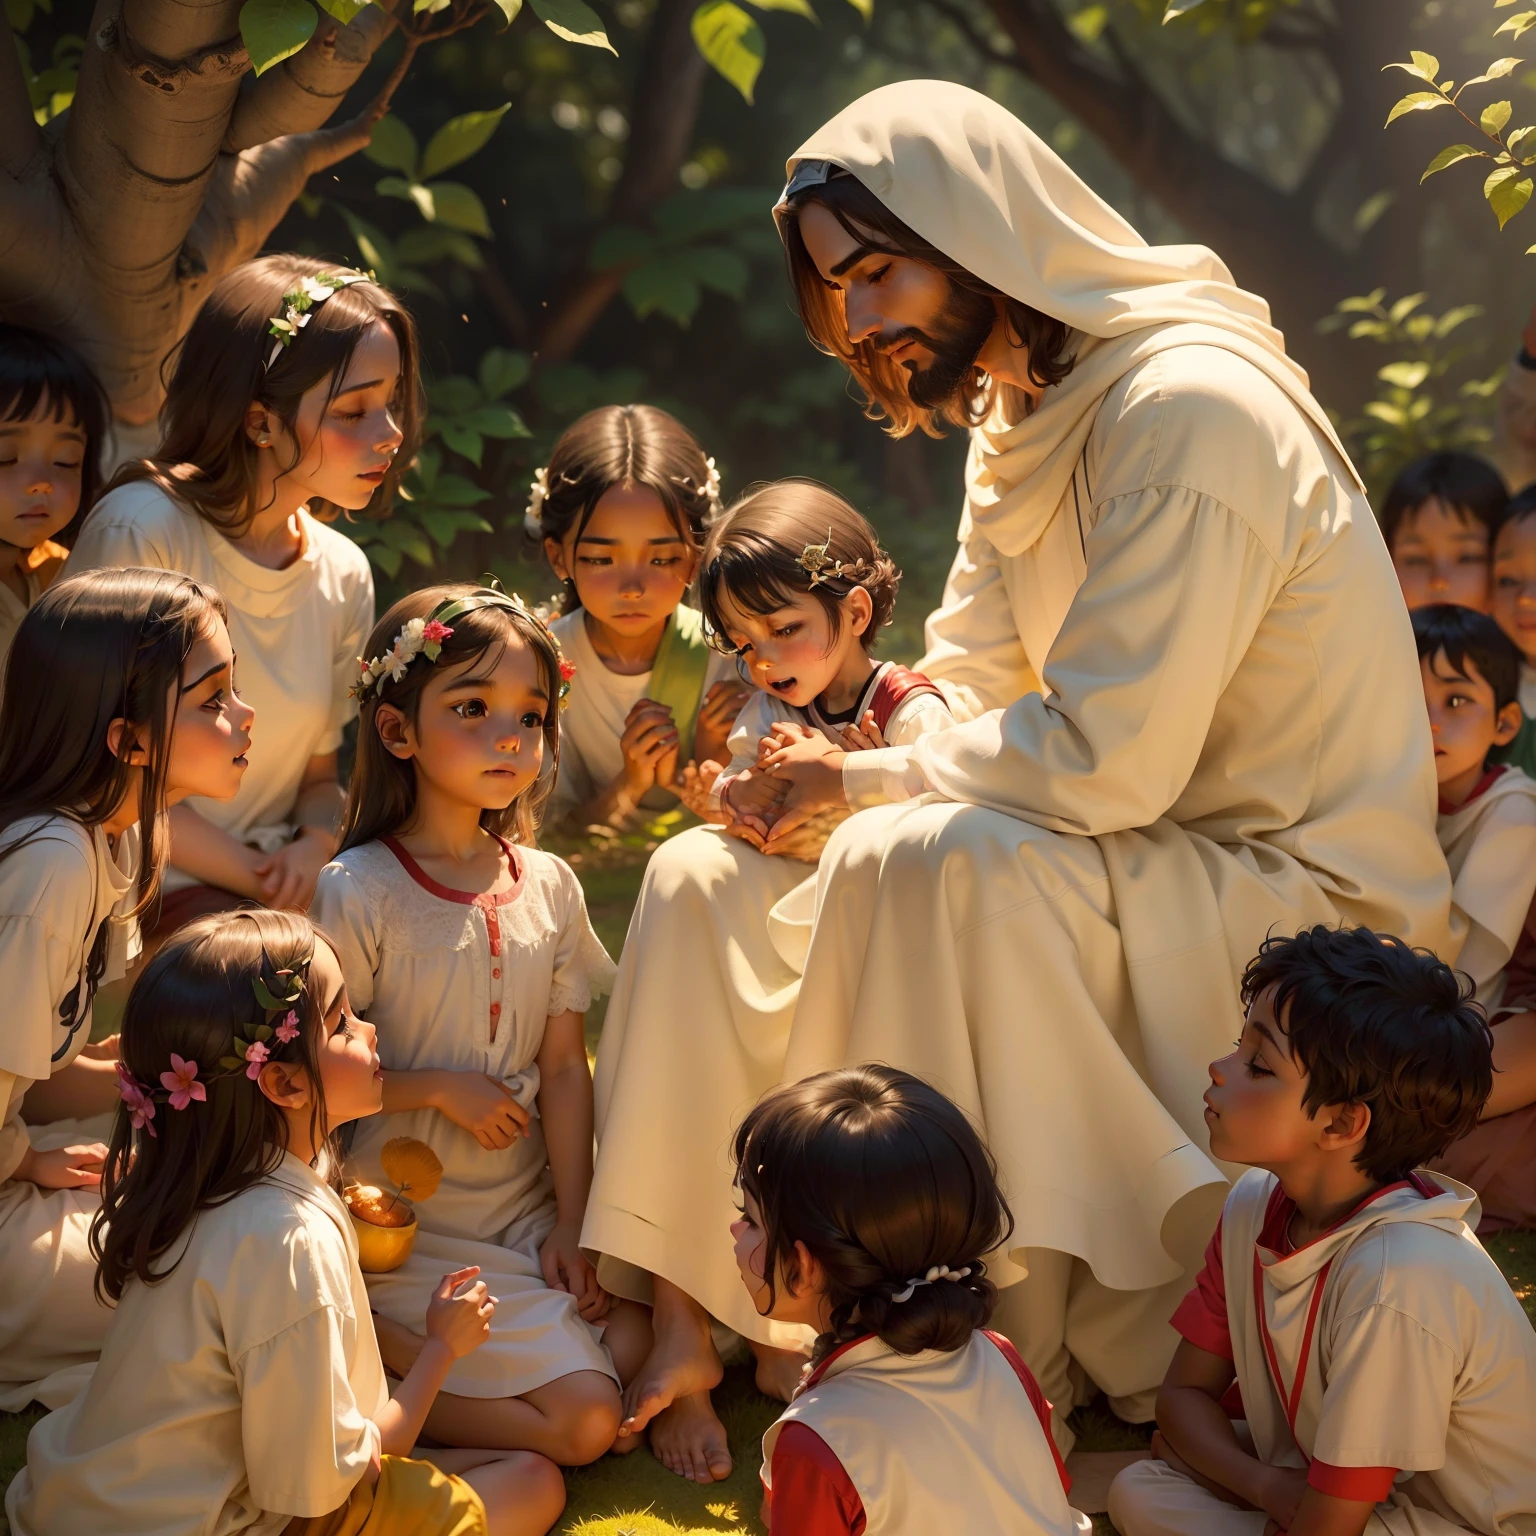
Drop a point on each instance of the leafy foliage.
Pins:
(1419, 404)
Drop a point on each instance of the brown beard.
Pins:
(960, 330)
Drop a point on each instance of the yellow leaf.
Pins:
(1416, 101)
(413, 1167)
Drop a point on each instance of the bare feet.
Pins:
(779, 1371)
(689, 1439)
(682, 1363)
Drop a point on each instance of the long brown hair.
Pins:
(193, 998)
(882, 1178)
(108, 645)
(872, 224)
(381, 799)
(206, 459)
(626, 446)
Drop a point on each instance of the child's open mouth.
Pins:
(783, 685)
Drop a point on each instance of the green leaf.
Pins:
(462, 440)
(265, 998)
(409, 192)
(453, 395)
(1416, 101)
(1372, 209)
(1087, 25)
(1393, 415)
(510, 9)
(439, 244)
(1453, 318)
(1451, 155)
(798, 7)
(1495, 116)
(501, 372)
(1517, 26)
(575, 21)
(719, 268)
(455, 491)
(1178, 8)
(687, 215)
(1507, 196)
(19, 14)
(445, 526)
(664, 287)
(1495, 71)
(425, 467)
(343, 10)
(393, 146)
(274, 30)
(619, 246)
(1404, 375)
(458, 207)
(732, 42)
(1405, 306)
(498, 421)
(1425, 66)
(865, 8)
(372, 245)
(1516, 141)
(458, 139)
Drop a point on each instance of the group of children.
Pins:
(187, 1295)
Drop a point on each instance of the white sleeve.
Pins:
(582, 969)
(357, 622)
(1177, 586)
(1514, 443)
(113, 538)
(340, 911)
(306, 1440)
(14, 1143)
(752, 724)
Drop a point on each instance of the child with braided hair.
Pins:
(868, 1206)
(240, 1389)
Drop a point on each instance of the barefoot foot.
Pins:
(779, 1371)
(689, 1439)
(682, 1363)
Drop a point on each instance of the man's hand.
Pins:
(866, 736)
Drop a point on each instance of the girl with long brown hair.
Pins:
(470, 951)
(293, 398)
(118, 701)
(621, 512)
(240, 1387)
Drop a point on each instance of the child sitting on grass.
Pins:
(1387, 1372)
(868, 1205)
(1487, 827)
(1514, 606)
(1438, 520)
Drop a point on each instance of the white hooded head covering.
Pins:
(976, 183)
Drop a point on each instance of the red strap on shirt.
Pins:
(1362, 1485)
(1037, 1401)
(896, 686)
(811, 1494)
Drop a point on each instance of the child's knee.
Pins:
(1132, 1491)
(588, 1421)
(522, 1492)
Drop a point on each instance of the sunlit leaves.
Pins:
(393, 146)
(274, 30)
(1495, 118)
(1416, 101)
(574, 20)
(1507, 192)
(1517, 26)
(1452, 155)
(342, 10)
(459, 138)
(731, 41)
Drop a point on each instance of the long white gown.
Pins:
(1204, 723)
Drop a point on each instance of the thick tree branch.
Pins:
(663, 111)
(302, 92)
(19, 136)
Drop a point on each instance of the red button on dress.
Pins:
(495, 1007)
(496, 972)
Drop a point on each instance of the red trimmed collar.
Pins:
(1277, 1217)
(447, 892)
(822, 1365)
(1484, 784)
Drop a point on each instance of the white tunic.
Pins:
(1490, 845)
(235, 1393)
(56, 892)
(463, 983)
(938, 1441)
(297, 634)
(593, 719)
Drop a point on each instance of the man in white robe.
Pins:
(1198, 719)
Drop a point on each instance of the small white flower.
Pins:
(411, 635)
(538, 490)
(315, 290)
(712, 481)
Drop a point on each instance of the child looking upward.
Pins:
(868, 1206)
(1438, 520)
(1388, 1374)
(53, 421)
(1514, 606)
(620, 511)
(1487, 827)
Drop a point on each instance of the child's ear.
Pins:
(126, 741)
(858, 610)
(806, 1273)
(395, 732)
(260, 425)
(1507, 726)
(285, 1083)
(1343, 1126)
(556, 557)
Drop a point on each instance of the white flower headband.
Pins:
(298, 306)
(538, 494)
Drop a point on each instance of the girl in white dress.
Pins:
(295, 398)
(118, 701)
(620, 510)
(869, 1205)
(470, 952)
(53, 421)
(240, 1388)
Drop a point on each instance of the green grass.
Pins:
(635, 1495)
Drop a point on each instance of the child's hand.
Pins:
(287, 878)
(76, 1167)
(693, 786)
(717, 714)
(866, 736)
(1282, 1491)
(649, 736)
(566, 1268)
(752, 799)
(463, 1323)
(102, 1050)
(484, 1107)
(781, 733)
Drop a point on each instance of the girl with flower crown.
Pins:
(118, 701)
(294, 398)
(469, 950)
(240, 1388)
(621, 511)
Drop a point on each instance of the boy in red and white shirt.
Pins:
(1387, 1373)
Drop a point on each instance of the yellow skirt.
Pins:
(411, 1498)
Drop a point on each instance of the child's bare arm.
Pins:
(1196, 1427)
(1321, 1514)
(480, 1104)
(565, 1104)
